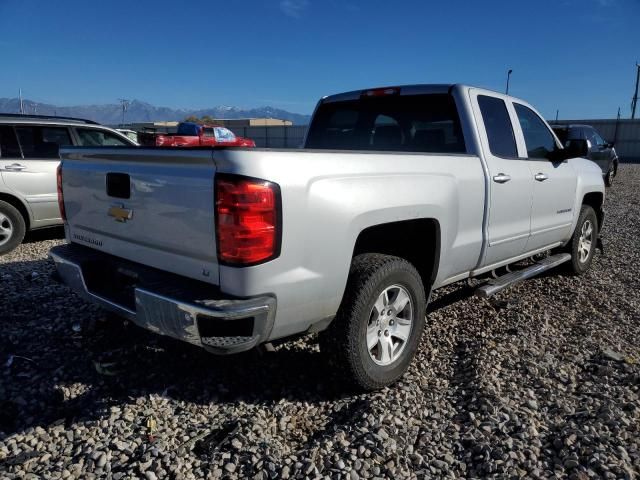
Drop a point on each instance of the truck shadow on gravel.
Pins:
(50, 233)
(60, 366)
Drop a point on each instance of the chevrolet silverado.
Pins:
(397, 192)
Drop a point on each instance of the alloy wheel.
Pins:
(390, 325)
(6, 229)
(586, 240)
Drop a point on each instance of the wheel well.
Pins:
(10, 199)
(417, 241)
(594, 200)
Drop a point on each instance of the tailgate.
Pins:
(151, 206)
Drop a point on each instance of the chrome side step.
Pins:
(494, 286)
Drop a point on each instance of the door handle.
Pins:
(541, 177)
(14, 167)
(501, 178)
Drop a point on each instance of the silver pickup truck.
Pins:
(398, 191)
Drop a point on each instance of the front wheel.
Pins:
(582, 245)
(379, 323)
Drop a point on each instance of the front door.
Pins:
(33, 177)
(510, 182)
(554, 183)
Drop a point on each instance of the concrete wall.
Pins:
(627, 138)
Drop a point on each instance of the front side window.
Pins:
(426, 123)
(9, 147)
(42, 142)
(537, 137)
(93, 137)
(497, 123)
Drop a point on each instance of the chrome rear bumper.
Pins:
(220, 325)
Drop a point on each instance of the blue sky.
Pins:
(577, 56)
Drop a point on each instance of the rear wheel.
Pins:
(608, 178)
(378, 327)
(12, 227)
(582, 245)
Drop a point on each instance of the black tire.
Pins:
(580, 263)
(11, 220)
(345, 341)
(608, 178)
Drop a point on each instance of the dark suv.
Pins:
(600, 151)
(28, 162)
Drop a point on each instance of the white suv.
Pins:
(28, 161)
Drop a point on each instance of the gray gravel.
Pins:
(542, 381)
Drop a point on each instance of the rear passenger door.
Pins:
(33, 177)
(554, 183)
(510, 184)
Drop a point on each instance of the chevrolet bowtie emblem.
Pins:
(120, 213)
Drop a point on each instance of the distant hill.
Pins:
(111, 114)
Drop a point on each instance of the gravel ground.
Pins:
(542, 381)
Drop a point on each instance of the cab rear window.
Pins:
(404, 123)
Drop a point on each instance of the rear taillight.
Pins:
(63, 213)
(247, 220)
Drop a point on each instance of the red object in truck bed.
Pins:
(194, 135)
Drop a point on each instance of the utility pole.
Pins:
(615, 134)
(21, 104)
(125, 104)
(557, 112)
(508, 77)
(634, 102)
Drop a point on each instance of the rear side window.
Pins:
(93, 137)
(224, 135)
(566, 134)
(42, 142)
(411, 123)
(497, 123)
(562, 134)
(539, 140)
(9, 147)
(595, 138)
